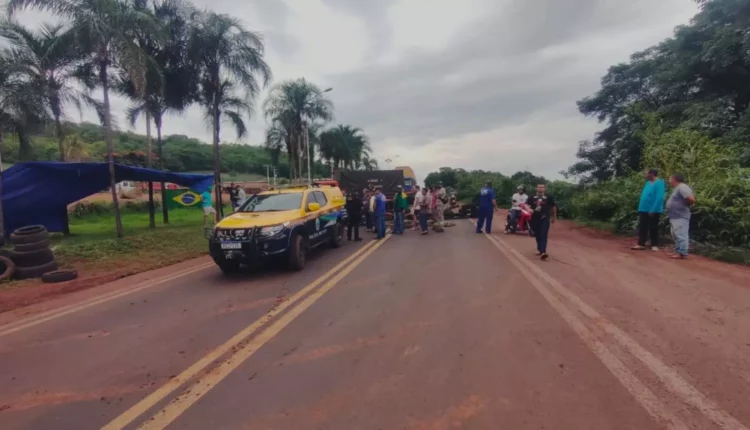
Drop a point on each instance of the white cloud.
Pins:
(473, 84)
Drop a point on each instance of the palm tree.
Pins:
(345, 146)
(104, 30)
(21, 108)
(369, 163)
(50, 58)
(170, 79)
(289, 104)
(230, 59)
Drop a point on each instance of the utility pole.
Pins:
(274, 176)
(268, 174)
(307, 143)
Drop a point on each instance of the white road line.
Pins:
(667, 375)
(642, 394)
(75, 307)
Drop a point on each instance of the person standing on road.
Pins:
(367, 202)
(441, 198)
(487, 208)
(678, 210)
(208, 209)
(650, 209)
(422, 205)
(518, 199)
(415, 208)
(241, 196)
(354, 213)
(378, 211)
(545, 213)
(400, 205)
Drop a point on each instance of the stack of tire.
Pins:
(31, 252)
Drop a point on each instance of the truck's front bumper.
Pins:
(248, 251)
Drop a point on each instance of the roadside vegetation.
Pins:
(164, 56)
(95, 252)
(681, 106)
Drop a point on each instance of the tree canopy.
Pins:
(698, 79)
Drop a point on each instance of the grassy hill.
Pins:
(85, 142)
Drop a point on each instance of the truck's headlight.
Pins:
(273, 230)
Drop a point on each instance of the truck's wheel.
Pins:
(337, 235)
(297, 253)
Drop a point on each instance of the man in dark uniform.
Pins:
(354, 213)
(545, 213)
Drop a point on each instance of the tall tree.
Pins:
(230, 60)
(345, 146)
(22, 104)
(171, 79)
(21, 107)
(50, 58)
(104, 30)
(697, 79)
(288, 105)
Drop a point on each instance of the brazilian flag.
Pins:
(183, 199)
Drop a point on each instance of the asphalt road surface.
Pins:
(448, 331)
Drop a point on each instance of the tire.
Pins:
(33, 246)
(59, 276)
(297, 253)
(337, 236)
(36, 271)
(30, 234)
(7, 269)
(32, 258)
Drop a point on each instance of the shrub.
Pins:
(722, 188)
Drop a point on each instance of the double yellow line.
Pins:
(242, 346)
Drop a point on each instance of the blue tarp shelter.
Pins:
(40, 192)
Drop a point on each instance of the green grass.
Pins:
(94, 250)
(93, 242)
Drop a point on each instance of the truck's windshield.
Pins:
(272, 203)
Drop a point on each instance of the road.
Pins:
(448, 331)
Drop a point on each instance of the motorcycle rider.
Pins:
(518, 199)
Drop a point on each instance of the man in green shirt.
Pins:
(400, 205)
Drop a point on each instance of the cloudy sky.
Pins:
(478, 84)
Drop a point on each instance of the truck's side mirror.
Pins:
(313, 207)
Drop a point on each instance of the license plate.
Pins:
(231, 245)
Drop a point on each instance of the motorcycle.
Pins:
(522, 224)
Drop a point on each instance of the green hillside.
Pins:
(85, 142)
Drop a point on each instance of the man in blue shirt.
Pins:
(487, 208)
(650, 209)
(379, 213)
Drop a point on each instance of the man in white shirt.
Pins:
(518, 199)
(422, 204)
